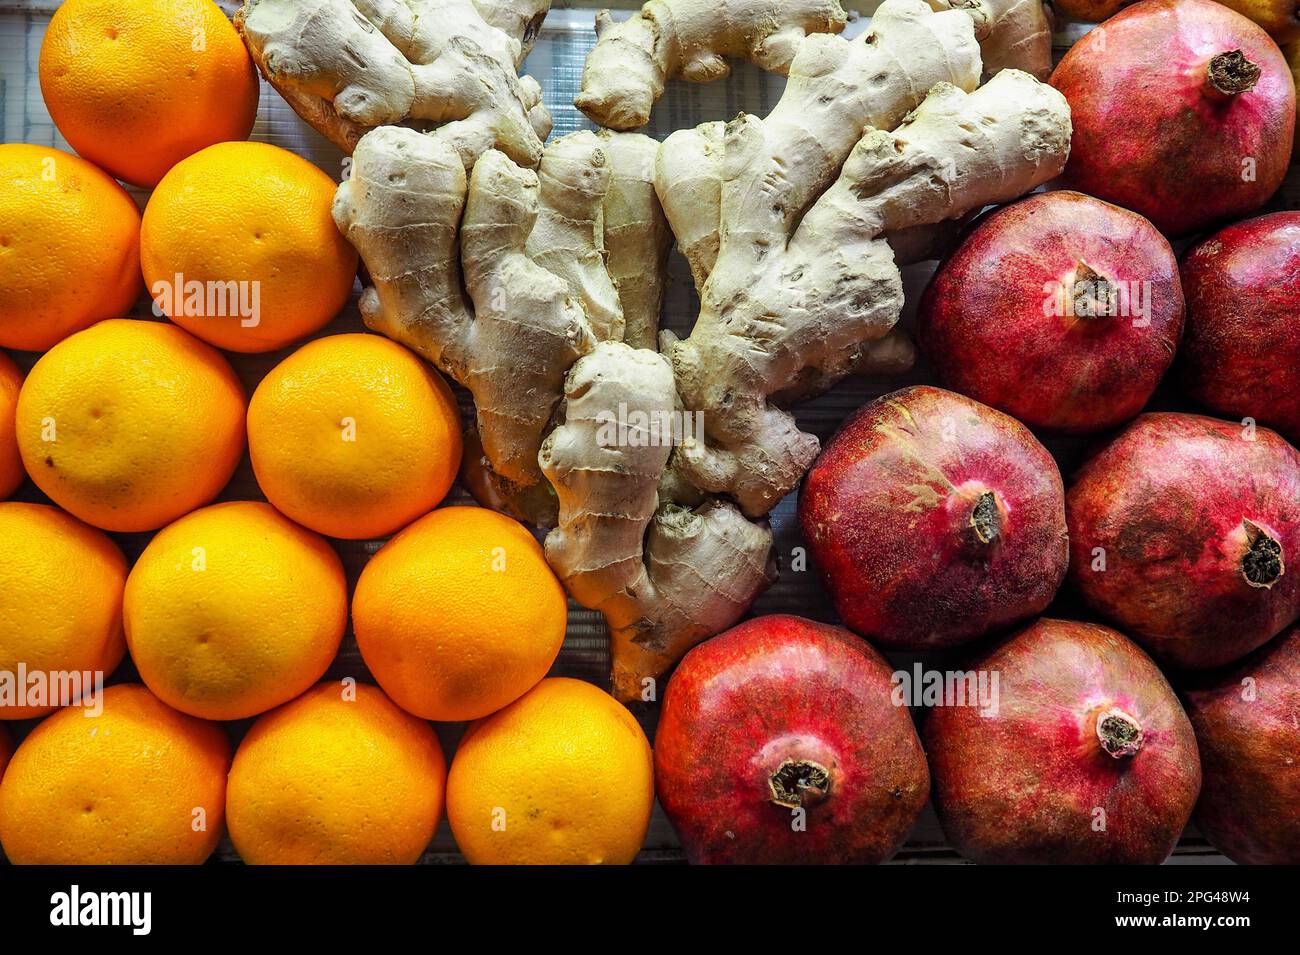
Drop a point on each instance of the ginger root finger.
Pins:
(886, 357)
(664, 576)
(1010, 33)
(837, 88)
(568, 239)
(688, 179)
(401, 208)
(637, 236)
(1013, 34)
(348, 66)
(626, 71)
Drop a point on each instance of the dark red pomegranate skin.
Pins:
(1089, 759)
(1242, 353)
(1186, 534)
(1061, 310)
(1182, 110)
(1247, 722)
(934, 519)
(779, 714)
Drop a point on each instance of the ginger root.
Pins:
(531, 250)
(1013, 34)
(689, 39)
(696, 571)
(797, 281)
(348, 66)
(539, 291)
(633, 59)
(799, 306)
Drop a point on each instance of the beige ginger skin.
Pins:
(348, 66)
(633, 59)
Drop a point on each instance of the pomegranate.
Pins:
(779, 743)
(1242, 355)
(1247, 723)
(935, 519)
(1088, 759)
(1183, 110)
(1062, 310)
(1183, 530)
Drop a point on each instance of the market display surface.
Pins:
(570, 450)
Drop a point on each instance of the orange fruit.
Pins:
(69, 246)
(459, 614)
(561, 776)
(234, 609)
(136, 784)
(354, 436)
(11, 464)
(135, 86)
(340, 776)
(131, 424)
(60, 601)
(238, 245)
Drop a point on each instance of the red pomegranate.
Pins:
(1247, 723)
(935, 519)
(1185, 531)
(1061, 310)
(1183, 110)
(1088, 759)
(1242, 354)
(779, 742)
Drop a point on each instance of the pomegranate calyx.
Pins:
(1093, 295)
(799, 783)
(1119, 733)
(1230, 74)
(1262, 564)
(985, 520)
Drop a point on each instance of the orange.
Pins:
(11, 464)
(6, 749)
(234, 609)
(459, 614)
(60, 603)
(354, 436)
(69, 246)
(137, 85)
(136, 784)
(340, 776)
(561, 776)
(131, 424)
(238, 245)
